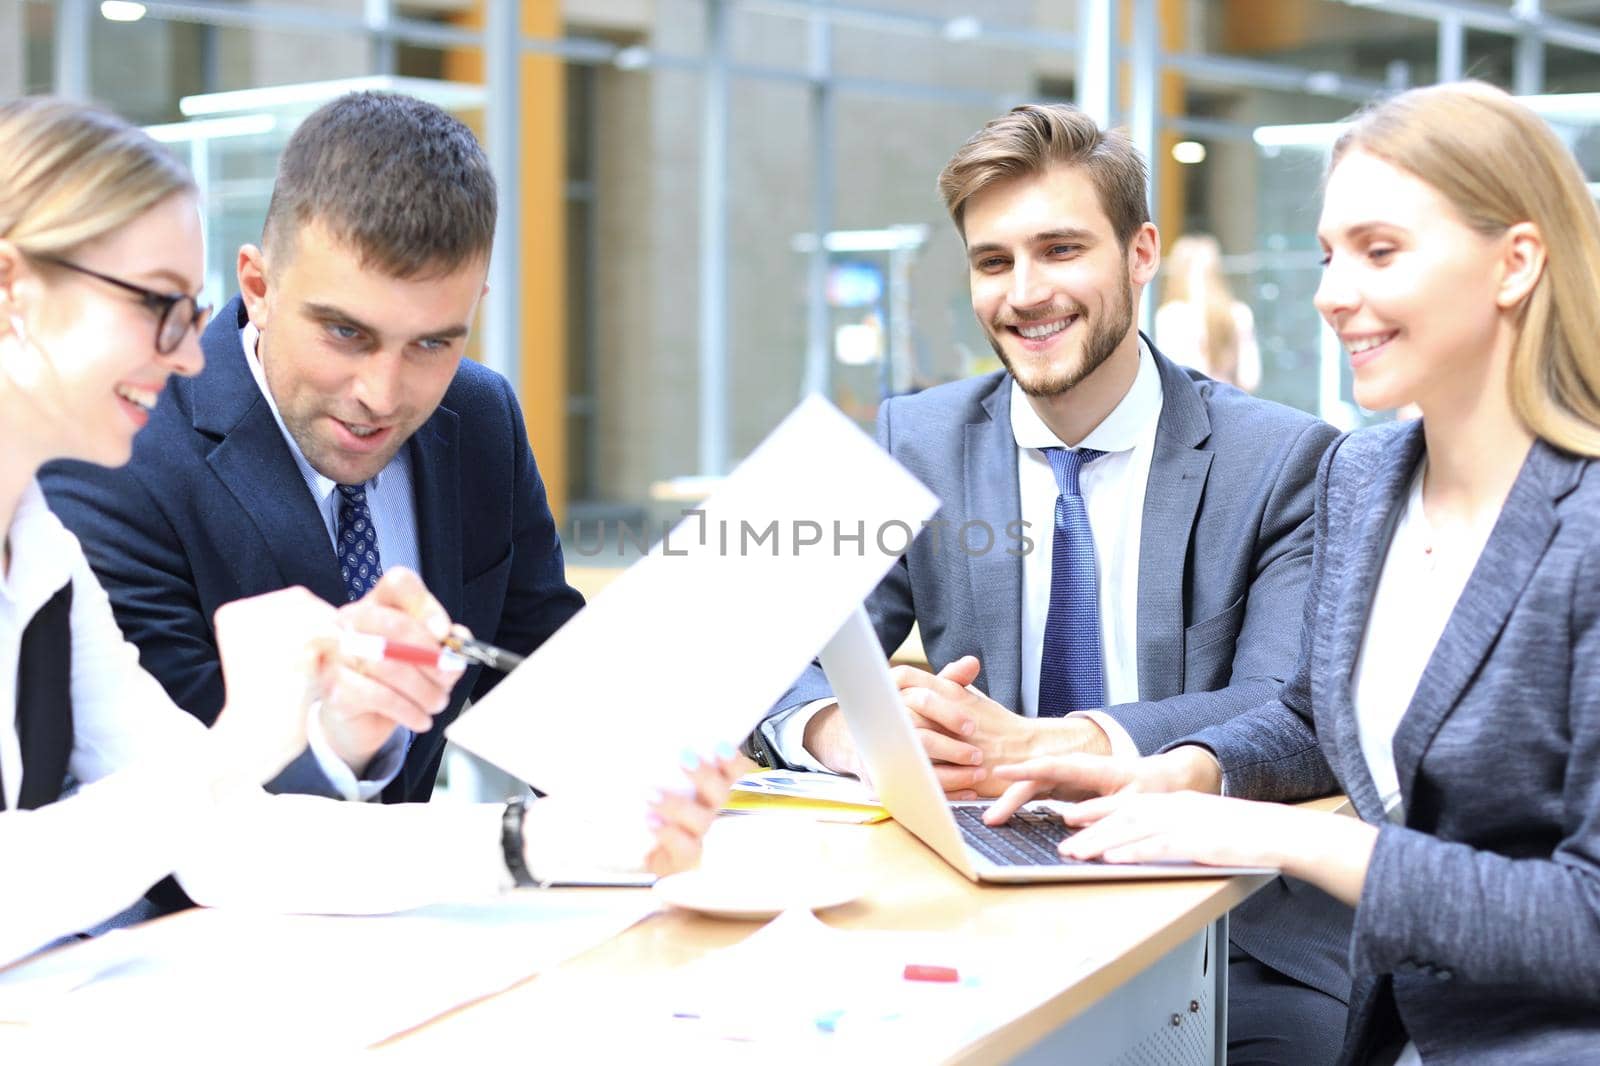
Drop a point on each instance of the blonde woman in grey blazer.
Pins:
(1449, 677)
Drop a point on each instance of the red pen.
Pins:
(373, 648)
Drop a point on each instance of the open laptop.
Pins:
(1023, 849)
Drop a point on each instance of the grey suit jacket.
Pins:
(1479, 922)
(1224, 555)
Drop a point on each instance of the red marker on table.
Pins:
(918, 972)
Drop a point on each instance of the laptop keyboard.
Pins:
(1028, 839)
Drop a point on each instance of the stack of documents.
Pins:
(799, 793)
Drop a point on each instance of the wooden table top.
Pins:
(1121, 927)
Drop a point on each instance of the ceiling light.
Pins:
(121, 11)
(1189, 152)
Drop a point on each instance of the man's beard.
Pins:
(1104, 337)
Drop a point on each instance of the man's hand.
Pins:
(366, 700)
(958, 764)
(960, 727)
(1078, 777)
(828, 739)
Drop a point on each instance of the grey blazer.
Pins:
(1224, 555)
(1479, 922)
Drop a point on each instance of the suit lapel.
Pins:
(436, 474)
(1376, 505)
(1177, 481)
(990, 476)
(436, 485)
(1526, 525)
(254, 464)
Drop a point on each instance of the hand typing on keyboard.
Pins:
(1028, 838)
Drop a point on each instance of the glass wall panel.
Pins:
(909, 81)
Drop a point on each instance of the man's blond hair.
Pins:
(1031, 139)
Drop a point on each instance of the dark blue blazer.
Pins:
(212, 507)
(1478, 929)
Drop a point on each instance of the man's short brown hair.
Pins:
(398, 180)
(1028, 140)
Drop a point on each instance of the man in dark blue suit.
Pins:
(337, 431)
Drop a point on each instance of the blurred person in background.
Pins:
(1200, 324)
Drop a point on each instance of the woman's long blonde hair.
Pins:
(71, 173)
(1193, 275)
(1500, 164)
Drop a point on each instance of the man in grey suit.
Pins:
(1123, 547)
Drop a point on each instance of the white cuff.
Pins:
(1122, 745)
(383, 768)
(786, 732)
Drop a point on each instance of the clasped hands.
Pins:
(966, 734)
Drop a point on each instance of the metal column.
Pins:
(503, 69)
(1527, 68)
(714, 244)
(1145, 118)
(1452, 49)
(1096, 72)
(378, 14)
(72, 49)
(819, 346)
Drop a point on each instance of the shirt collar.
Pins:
(1119, 431)
(41, 554)
(249, 337)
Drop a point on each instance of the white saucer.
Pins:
(726, 895)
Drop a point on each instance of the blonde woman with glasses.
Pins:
(100, 270)
(1449, 679)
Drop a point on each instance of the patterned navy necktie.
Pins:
(1071, 667)
(359, 565)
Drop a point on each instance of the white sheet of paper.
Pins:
(799, 983)
(239, 983)
(691, 645)
(800, 991)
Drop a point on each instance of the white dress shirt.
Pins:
(149, 804)
(1417, 591)
(394, 519)
(1113, 489)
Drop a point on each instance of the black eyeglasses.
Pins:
(176, 313)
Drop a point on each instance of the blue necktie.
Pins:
(358, 543)
(1071, 669)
